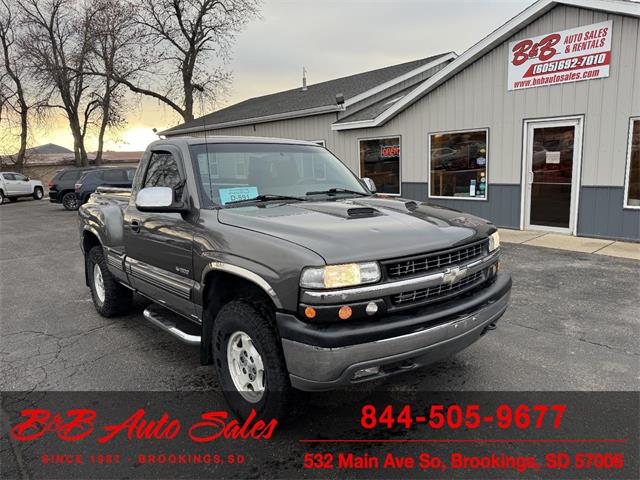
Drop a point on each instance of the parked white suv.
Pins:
(14, 185)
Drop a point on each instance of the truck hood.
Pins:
(372, 228)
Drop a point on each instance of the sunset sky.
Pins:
(331, 38)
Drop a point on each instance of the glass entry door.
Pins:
(553, 165)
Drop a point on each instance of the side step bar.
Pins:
(173, 324)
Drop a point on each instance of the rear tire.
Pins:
(38, 193)
(70, 201)
(242, 331)
(109, 297)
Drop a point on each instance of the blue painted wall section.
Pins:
(601, 214)
(502, 206)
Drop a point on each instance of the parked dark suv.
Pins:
(62, 186)
(107, 177)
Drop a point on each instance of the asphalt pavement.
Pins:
(574, 323)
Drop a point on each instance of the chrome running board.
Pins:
(172, 323)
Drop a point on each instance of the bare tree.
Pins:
(57, 46)
(185, 37)
(13, 96)
(115, 42)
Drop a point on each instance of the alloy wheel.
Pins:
(245, 367)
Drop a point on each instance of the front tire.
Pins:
(70, 201)
(38, 193)
(2, 197)
(109, 297)
(249, 361)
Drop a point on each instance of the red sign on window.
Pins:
(389, 151)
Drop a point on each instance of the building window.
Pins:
(632, 183)
(380, 161)
(458, 163)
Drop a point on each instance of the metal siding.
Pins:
(478, 97)
(601, 215)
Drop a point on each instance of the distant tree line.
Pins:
(87, 59)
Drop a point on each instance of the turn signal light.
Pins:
(310, 312)
(345, 312)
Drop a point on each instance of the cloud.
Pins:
(337, 38)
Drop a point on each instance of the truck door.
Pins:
(22, 184)
(159, 245)
(10, 184)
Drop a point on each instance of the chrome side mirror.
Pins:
(157, 199)
(370, 184)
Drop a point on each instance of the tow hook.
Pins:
(488, 328)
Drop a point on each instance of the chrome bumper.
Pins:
(316, 368)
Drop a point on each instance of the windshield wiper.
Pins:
(267, 197)
(333, 191)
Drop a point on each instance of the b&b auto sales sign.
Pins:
(581, 53)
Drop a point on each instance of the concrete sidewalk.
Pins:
(598, 246)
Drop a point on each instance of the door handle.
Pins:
(135, 226)
(530, 177)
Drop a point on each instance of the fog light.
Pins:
(344, 313)
(371, 309)
(366, 372)
(310, 312)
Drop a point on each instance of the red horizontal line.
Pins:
(471, 440)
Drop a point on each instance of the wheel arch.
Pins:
(89, 240)
(222, 285)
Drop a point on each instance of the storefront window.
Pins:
(633, 166)
(459, 164)
(380, 161)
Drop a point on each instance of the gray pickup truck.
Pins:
(286, 269)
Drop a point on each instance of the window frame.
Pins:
(627, 168)
(449, 132)
(160, 149)
(382, 137)
(321, 143)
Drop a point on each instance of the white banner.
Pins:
(580, 53)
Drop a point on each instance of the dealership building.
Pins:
(537, 126)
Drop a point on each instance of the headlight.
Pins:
(334, 276)
(494, 241)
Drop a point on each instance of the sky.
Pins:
(331, 39)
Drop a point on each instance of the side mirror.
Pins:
(370, 184)
(158, 199)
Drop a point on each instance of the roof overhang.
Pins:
(250, 121)
(497, 37)
(447, 57)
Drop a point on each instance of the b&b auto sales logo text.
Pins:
(79, 424)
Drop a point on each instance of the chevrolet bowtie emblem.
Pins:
(453, 274)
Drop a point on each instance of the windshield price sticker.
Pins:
(238, 193)
(566, 56)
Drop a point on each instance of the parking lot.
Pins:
(573, 325)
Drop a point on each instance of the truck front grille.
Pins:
(419, 264)
(439, 292)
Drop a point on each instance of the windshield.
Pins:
(231, 172)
